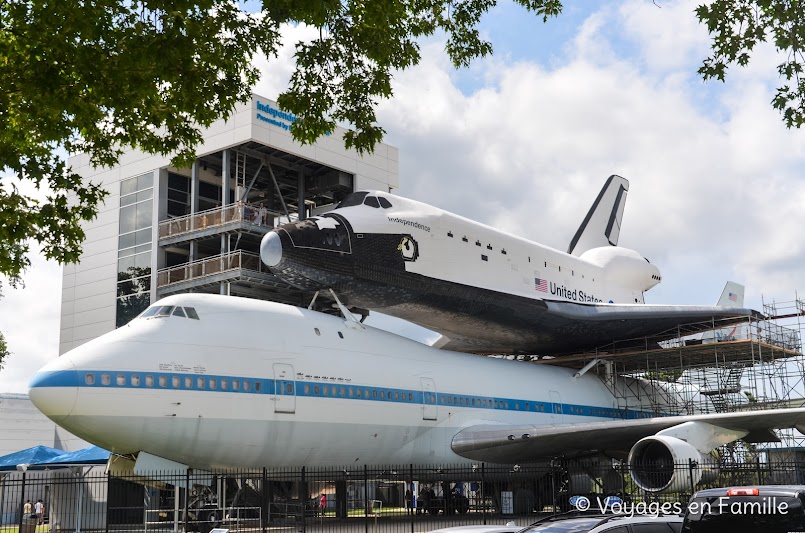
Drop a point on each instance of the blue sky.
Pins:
(524, 140)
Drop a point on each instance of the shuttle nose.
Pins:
(271, 249)
(54, 389)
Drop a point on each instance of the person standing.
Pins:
(39, 510)
(323, 503)
(409, 501)
(26, 509)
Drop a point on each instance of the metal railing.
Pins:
(396, 499)
(210, 266)
(238, 212)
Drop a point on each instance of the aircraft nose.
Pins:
(54, 389)
(271, 249)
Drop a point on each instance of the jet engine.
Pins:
(667, 464)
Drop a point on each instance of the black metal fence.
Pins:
(401, 498)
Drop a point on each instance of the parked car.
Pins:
(509, 527)
(765, 508)
(609, 523)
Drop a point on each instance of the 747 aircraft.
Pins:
(212, 381)
(482, 289)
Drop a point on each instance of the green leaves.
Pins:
(738, 26)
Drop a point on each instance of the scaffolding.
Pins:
(749, 364)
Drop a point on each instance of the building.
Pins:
(164, 230)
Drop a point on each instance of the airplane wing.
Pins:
(568, 327)
(528, 443)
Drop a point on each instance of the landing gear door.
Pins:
(429, 405)
(284, 388)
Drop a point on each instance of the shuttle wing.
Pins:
(528, 443)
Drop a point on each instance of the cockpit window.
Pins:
(385, 204)
(355, 198)
(178, 312)
(191, 313)
(165, 310)
(371, 201)
(150, 311)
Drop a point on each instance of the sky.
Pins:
(524, 140)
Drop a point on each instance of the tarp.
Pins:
(29, 456)
(92, 455)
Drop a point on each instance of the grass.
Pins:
(13, 529)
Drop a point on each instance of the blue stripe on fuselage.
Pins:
(317, 389)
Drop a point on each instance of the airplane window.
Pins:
(343, 392)
(165, 310)
(179, 312)
(89, 379)
(200, 383)
(175, 382)
(235, 384)
(382, 395)
(316, 390)
(135, 380)
(247, 385)
(150, 311)
(385, 204)
(443, 400)
(258, 386)
(473, 402)
(106, 379)
(325, 390)
(149, 381)
(191, 313)
(163, 381)
(188, 382)
(351, 392)
(213, 383)
(121, 379)
(353, 199)
(517, 405)
(317, 331)
(371, 201)
(224, 384)
(358, 393)
(342, 335)
(410, 397)
(288, 388)
(397, 395)
(307, 389)
(374, 394)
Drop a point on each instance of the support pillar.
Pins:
(194, 184)
(225, 182)
(341, 499)
(300, 181)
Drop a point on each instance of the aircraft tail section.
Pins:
(733, 295)
(602, 225)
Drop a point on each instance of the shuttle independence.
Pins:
(483, 289)
(215, 381)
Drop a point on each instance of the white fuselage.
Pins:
(321, 390)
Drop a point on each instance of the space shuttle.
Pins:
(207, 381)
(484, 290)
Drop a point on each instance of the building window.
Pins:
(134, 247)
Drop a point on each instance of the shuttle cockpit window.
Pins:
(179, 312)
(384, 203)
(150, 311)
(191, 313)
(371, 201)
(165, 310)
(355, 198)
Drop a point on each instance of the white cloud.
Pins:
(716, 180)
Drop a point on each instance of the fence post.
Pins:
(483, 490)
(304, 498)
(366, 499)
(691, 466)
(759, 471)
(411, 509)
(186, 497)
(22, 501)
(264, 516)
(106, 517)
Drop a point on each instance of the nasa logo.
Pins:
(408, 248)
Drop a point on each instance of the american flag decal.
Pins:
(733, 297)
(541, 285)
